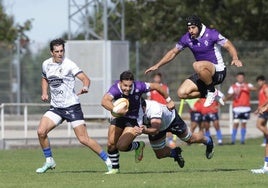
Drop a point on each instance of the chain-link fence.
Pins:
(142, 56)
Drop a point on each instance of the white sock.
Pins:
(49, 159)
(108, 162)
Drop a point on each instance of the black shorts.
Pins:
(217, 78)
(196, 117)
(70, 114)
(264, 115)
(177, 127)
(241, 115)
(210, 117)
(123, 122)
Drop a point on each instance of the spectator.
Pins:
(210, 114)
(239, 92)
(263, 99)
(195, 106)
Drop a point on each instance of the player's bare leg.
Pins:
(113, 136)
(205, 71)
(188, 90)
(199, 137)
(45, 126)
(161, 150)
(82, 135)
(125, 143)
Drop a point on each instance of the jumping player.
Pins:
(209, 66)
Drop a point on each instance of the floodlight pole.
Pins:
(80, 17)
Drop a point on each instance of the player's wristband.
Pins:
(168, 99)
(85, 88)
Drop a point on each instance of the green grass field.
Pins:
(79, 167)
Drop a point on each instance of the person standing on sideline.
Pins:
(58, 78)
(124, 129)
(210, 114)
(209, 66)
(155, 95)
(158, 120)
(239, 92)
(263, 99)
(263, 110)
(195, 106)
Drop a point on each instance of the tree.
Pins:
(10, 34)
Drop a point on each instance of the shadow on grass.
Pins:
(79, 171)
(216, 170)
(156, 172)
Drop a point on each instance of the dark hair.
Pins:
(240, 73)
(157, 74)
(194, 20)
(56, 42)
(260, 78)
(126, 75)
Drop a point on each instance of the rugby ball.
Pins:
(118, 105)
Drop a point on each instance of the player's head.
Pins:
(57, 49)
(260, 80)
(194, 25)
(157, 77)
(126, 82)
(57, 42)
(240, 77)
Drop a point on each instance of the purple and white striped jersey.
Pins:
(206, 47)
(138, 89)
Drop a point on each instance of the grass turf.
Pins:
(79, 167)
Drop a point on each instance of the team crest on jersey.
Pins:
(55, 81)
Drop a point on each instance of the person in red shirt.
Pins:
(210, 114)
(263, 98)
(239, 92)
(262, 120)
(156, 96)
(195, 106)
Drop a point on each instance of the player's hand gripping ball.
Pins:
(120, 107)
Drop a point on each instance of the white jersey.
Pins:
(159, 111)
(61, 81)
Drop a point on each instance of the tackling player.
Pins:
(158, 120)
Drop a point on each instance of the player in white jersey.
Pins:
(158, 120)
(58, 77)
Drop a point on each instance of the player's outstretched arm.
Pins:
(170, 55)
(232, 51)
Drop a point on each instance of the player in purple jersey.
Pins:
(123, 130)
(209, 67)
(58, 78)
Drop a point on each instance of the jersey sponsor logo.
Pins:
(57, 92)
(55, 81)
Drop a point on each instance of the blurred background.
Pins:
(150, 28)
